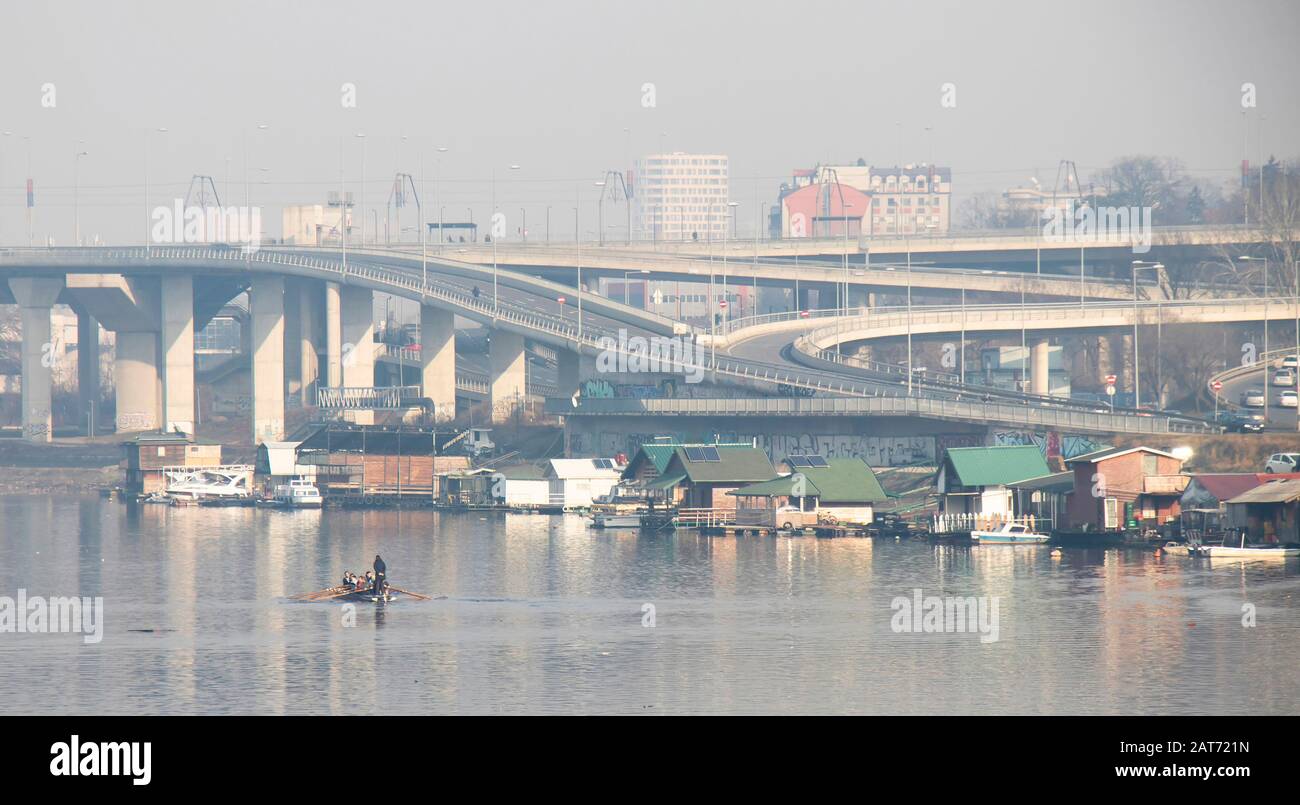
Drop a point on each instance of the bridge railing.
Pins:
(367, 397)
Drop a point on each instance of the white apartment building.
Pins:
(911, 200)
(681, 196)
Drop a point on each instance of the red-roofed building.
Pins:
(823, 210)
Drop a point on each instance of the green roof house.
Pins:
(842, 490)
(700, 476)
(978, 480)
(645, 470)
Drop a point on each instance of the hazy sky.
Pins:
(551, 86)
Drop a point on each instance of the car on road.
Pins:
(1291, 362)
(1282, 462)
(1288, 399)
(1284, 377)
(1234, 422)
(1253, 398)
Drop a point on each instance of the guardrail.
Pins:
(367, 397)
(961, 410)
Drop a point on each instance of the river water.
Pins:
(543, 615)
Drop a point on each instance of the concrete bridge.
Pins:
(311, 318)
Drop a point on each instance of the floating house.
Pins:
(1125, 488)
(840, 490)
(1268, 513)
(376, 460)
(641, 475)
(701, 476)
(978, 480)
(152, 458)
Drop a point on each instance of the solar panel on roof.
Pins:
(817, 461)
(710, 453)
(796, 461)
(694, 454)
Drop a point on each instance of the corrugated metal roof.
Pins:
(1056, 482)
(565, 468)
(736, 464)
(1271, 492)
(997, 466)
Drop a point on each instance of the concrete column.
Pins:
(358, 343)
(509, 374)
(268, 358)
(357, 307)
(1125, 359)
(571, 369)
(178, 352)
(88, 387)
(1039, 364)
(135, 376)
(333, 335)
(292, 340)
(438, 361)
(803, 302)
(35, 297)
(308, 362)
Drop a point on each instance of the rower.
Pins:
(381, 571)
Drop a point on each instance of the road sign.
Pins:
(1110, 380)
(1110, 391)
(658, 297)
(722, 303)
(560, 300)
(1217, 385)
(803, 314)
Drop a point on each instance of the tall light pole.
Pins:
(361, 186)
(147, 218)
(1139, 265)
(495, 237)
(909, 318)
(1264, 260)
(845, 302)
(437, 178)
(260, 127)
(732, 205)
(77, 154)
(2, 164)
(577, 245)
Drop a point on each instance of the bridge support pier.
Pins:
(508, 375)
(571, 368)
(1039, 371)
(35, 297)
(177, 317)
(268, 358)
(358, 325)
(333, 335)
(135, 377)
(308, 360)
(88, 388)
(438, 361)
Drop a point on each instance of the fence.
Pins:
(961, 523)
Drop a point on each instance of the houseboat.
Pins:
(299, 493)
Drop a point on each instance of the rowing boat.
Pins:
(346, 592)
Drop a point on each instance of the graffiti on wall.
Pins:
(1051, 443)
(878, 451)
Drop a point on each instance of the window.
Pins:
(1112, 513)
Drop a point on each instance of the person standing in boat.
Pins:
(381, 571)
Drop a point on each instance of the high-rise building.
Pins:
(681, 196)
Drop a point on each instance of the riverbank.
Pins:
(68, 467)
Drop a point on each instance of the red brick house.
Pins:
(1113, 488)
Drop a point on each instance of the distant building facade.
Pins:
(681, 196)
(886, 201)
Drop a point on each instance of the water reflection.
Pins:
(543, 614)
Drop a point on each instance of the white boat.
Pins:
(1244, 551)
(299, 493)
(207, 483)
(615, 520)
(1009, 533)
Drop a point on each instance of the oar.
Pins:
(416, 596)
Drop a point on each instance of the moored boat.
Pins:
(1009, 534)
(616, 520)
(299, 493)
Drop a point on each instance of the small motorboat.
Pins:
(299, 493)
(1009, 534)
(1244, 551)
(616, 520)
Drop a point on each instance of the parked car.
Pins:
(1282, 462)
(1284, 377)
(1288, 399)
(1253, 398)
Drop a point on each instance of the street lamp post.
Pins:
(1264, 260)
(726, 310)
(147, 219)
(1139, 265)
(361, 187)
(77, 154)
